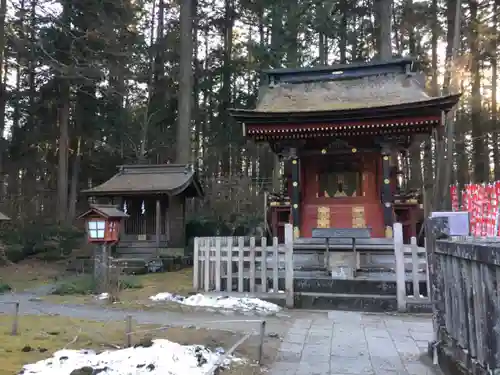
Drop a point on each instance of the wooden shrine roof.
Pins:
(349, 92)
(366, 92)
(4, 217)
(171, 179)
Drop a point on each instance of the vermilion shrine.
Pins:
(340, 131)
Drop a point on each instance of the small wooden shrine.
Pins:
(153, 197)
(340, 131)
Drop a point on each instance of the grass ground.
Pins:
(137, 297)
(40, 336)
(31, 274)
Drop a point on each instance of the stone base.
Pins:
(453, 360)
(341, 265)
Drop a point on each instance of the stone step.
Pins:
(328, 285)
(353, 286)
(345, 302)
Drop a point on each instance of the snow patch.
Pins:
(162, 357)
(102, 296)
(244, 304)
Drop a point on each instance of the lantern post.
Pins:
(102, 224)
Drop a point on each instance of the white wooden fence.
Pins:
(410, 259)
(251, 261)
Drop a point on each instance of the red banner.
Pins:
(482, 203)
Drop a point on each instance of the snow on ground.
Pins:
(163, 357)
(220, 302)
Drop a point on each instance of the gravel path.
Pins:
(31, 305)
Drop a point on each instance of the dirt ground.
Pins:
(39, 336)
(30, 274)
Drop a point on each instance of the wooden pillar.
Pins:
(158, 225)
(413, 222)
(387, 197)
(295, 196)
(166, 221)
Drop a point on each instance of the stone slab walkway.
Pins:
(351, 343)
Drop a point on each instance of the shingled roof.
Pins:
(171, 179)
(342, 88)
(366, 92)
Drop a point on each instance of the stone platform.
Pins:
(315, 289)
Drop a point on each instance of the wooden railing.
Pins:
(410, 259)
(466, 293)
(244, 265)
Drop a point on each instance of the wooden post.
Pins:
(400, 267)
(276, 263)
(218, 250)
(158, 226)
(387, 197)
(129, 331)
(435, 278)
(415, 262)
(263, 265)
(229, 269)
(101, 267)
(15, 321)
(167, 220)
(241, 256)
(252, 264)
(289, 266)
(207, 253)
(295, 197)
(261, 344)
(196, 265)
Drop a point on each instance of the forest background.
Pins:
(86, 86)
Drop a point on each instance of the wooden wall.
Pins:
(348, 212)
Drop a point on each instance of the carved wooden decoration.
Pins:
(323, 220)
(358, 217)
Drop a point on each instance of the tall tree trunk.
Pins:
(277, 42)
(3, 92)
(225, 100)
(479, 154)
(494, 87)
(186, 83)
(154, 52)
(383, 12)
(415, 181)
(450, 85)
(63, 116)
(428, 185)
(292, 27)
(75, 178)
(344, 28)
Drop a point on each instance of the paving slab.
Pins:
(355, 343)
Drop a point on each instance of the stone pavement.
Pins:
(345, 343)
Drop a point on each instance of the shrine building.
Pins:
(340, 132)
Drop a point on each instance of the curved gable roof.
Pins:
(171, 179)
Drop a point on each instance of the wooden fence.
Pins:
(244, 265)
(465, 285)
(410, 259)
